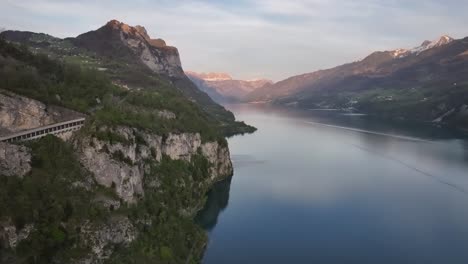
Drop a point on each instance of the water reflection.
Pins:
(217, 201)
(308, 193)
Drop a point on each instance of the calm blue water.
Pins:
(352, 191)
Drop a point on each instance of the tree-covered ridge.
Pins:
(50, 81)
(90, 91)
(125, 70)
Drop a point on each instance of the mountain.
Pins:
(426, 45)
(210, 76)
(132, 59)
(426, 83)
(125, 188)
(116, 39)
(222, 88)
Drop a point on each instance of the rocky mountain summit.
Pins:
(132, 42)
(426, 45)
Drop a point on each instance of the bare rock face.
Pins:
(10, 237)
(154, 53)
(122, 165)
(181, 146)
(124, 177)
(103, 237)
(220, 159)
(20, 113)
(15, 160)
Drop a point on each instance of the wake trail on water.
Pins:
(411, 167)
(388, 157)
(370, 132)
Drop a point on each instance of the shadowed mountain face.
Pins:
(426, 83)
(132, 59)
(119, 40)
(222, 88)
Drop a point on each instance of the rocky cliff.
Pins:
(123, 164)
(133, 42)
(15, 160)
(20, 113)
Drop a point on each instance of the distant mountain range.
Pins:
(222, 88)
(425, 83)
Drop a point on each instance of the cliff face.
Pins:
(133, 42)
(14, 160)
(20, 113)
(122, 165)
(125, 166)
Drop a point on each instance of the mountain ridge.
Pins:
(424, 84)
(222, 88)
(133, 60)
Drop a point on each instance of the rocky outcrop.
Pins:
(102, 238)
(20, 113)
(15, 160)
(10, 237)
(220, 159)
(122, 165)
(166, 114)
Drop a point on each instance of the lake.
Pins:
(323, 187)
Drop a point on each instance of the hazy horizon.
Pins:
(254, 39)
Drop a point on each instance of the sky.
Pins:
(250, 39)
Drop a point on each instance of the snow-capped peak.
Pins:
(426, 45)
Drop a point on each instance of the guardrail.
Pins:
(54, 129)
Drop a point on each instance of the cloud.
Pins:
(249, 38)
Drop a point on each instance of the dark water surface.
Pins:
(352, 191)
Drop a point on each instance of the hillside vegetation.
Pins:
(59, 199)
